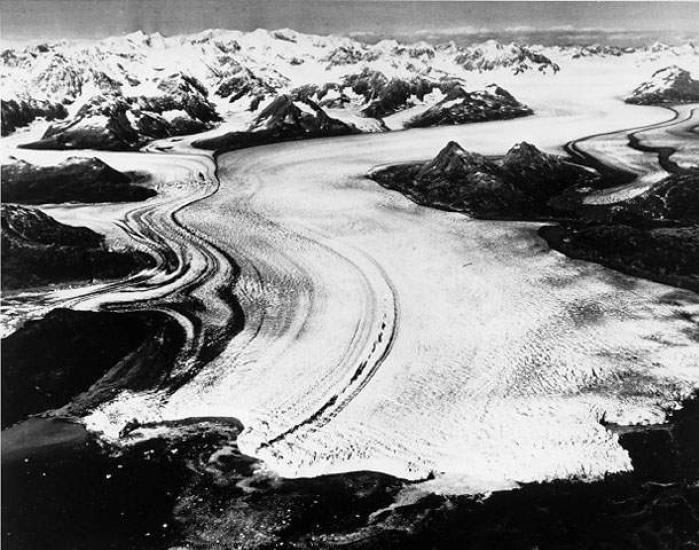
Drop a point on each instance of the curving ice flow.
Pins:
(187, 270)
(635, 151)
(386, 336)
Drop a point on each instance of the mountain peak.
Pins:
(284, 110)
(524, 149)
(453, 161)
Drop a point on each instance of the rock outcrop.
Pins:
(653, 235)
(282, 120)
(73, 180)
(394, 95)
(38, 250)
(460, 107)
(48, 362)
(669, 85)
(517, 186)
(17, 113)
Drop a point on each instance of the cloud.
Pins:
(468, 29)
(520, 28)
(359, 34)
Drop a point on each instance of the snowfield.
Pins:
(381, 335)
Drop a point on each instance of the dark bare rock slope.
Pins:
(38, 250)
(285, 119)
(73, 180)
(460, 107)
(518, 186)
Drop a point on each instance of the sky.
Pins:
(618, 22)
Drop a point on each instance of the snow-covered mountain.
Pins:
(285, 119)
(121, 92)
(460, 106)
(669, 85)
(109, 119)
(492, 54)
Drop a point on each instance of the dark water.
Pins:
(615, 22)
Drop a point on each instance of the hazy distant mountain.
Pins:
(492, 54)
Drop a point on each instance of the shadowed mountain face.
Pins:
(38, 250)
(73, 180)
(669, 85)
(674, 200)
(282, 120)
(244, 83)
(665, 254)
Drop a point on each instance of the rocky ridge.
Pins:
(460, 107)
(668, 85)
(77, 179)
(114, 121)
(16, 113)
(282, 120)
(518, 185)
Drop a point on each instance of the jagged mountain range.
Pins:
(125, 91)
